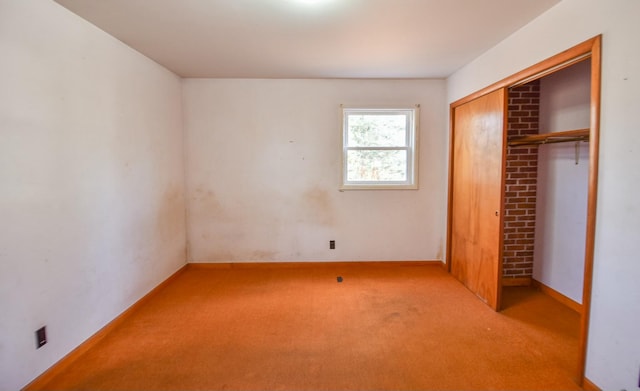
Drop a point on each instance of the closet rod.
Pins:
(550, 138)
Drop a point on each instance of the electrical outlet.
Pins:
(41, 337)
(332, 244)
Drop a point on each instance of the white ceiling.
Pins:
(310, 38)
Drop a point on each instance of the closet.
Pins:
(546, 185)
(523, 175)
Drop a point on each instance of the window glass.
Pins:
(379, 148)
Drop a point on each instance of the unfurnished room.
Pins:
(319, 195)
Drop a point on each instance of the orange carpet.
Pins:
(384, 327)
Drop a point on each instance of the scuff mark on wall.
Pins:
(260, 255)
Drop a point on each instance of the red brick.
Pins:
(521, 182)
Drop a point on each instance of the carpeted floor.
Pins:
(384, 327)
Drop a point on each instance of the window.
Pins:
(379, 148)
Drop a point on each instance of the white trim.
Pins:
(411, 148)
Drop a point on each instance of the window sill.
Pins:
(378, 187)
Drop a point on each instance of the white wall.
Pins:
(561, 210)
(91, 182)
(613, 358)
(263, 163)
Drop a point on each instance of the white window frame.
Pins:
(411, 183)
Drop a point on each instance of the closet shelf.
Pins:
(549, 138)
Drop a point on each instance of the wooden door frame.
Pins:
(590, 49)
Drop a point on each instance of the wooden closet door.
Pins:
(477, 195)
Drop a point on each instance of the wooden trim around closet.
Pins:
(557, 62)
(594, 148)
(588, 385)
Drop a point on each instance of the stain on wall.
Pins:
(316, 207)
(264, 168)
(260, 255)
(439, 255)
(206, 204)
(170, 218)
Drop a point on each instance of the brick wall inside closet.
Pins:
(521, 184)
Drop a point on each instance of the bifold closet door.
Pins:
(477, 195)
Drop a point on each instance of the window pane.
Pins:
(377, 165)
(377, 130)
